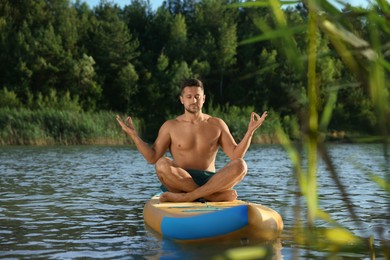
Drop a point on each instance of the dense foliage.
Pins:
(132, 59)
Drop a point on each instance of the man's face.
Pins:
(193, 99)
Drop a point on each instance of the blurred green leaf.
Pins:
(380, 181)
(242, 253)
(341, 236)
(274, 34)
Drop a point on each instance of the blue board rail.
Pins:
(208, 225)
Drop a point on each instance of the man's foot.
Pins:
(174, 197)
(227, 195)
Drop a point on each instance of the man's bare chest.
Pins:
(198, 137)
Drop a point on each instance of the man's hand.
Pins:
(127, 126)
(256, 121)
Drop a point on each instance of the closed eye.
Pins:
(197, 97)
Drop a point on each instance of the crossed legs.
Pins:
(181, 186)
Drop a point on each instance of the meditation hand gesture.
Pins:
(127, 126)
(256, 121)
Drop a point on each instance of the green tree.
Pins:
(114, 50)
(83, 83)
(255, 71)
(215, 41)
(177, 43)
(42, 51)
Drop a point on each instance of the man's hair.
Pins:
(191, 83)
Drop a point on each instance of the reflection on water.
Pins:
(172, 250)
(87, 201)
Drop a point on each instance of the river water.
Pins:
(68, 202)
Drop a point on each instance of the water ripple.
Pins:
(87, 201)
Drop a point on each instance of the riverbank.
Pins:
(61, 127)
(54, 127)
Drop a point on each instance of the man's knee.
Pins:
(241, 166)
(163, 165)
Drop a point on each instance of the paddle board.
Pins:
(197, 221)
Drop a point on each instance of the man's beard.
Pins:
(193, 109)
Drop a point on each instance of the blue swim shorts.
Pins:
(200, 177)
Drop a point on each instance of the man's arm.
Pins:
(234, 150)
(151, 154)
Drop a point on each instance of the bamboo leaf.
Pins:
(348, 37)
(294, 157)
(246, 253)
(251, 4)
(341, 236)
(327, 114)
(325, 216)
(264, 3)
(380, 181)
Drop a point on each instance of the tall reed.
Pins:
(49, 126)
(366, 60)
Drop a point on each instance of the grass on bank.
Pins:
(54, 126)
(50, 126)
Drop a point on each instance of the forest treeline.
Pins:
(66, 56)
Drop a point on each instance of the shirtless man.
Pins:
(193, 139)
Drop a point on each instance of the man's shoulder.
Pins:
(219, 123)
(215, 120)
(170, 122)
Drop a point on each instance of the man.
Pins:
(193, 139)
